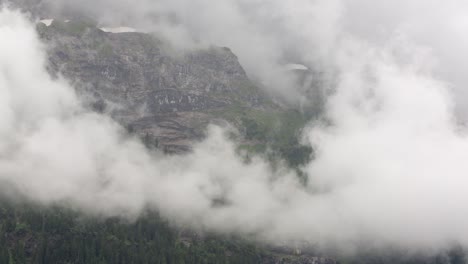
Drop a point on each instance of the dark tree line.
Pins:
(40, 235)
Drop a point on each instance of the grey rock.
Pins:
(136, 78)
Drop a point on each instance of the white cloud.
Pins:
(391, 160)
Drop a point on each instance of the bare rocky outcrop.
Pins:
(159, 93)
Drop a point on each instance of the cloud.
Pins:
(268, 34)
(390, 154)
(255, 30)
(54, 151)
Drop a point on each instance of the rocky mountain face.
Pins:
(168, 97)
(164, 95)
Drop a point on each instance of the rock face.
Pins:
(161, 94)
(167, 97)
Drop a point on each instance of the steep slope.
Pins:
(34, 234)
(159, 93)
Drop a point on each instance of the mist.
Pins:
(390, 164)
(267, 34)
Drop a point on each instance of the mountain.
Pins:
(167, 97)
(157, 92)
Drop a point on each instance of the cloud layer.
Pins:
(390, 168)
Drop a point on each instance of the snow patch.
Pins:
(118, 29)
(296, 67)
(47, 22)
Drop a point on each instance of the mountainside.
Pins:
(34, 234)
(146, 86)
(168, 98)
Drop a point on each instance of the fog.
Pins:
(390, 165)
(267, 34)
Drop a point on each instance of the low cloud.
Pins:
(390, 154)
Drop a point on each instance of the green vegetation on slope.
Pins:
(274, 133)
(32, 234)
(76, 28)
